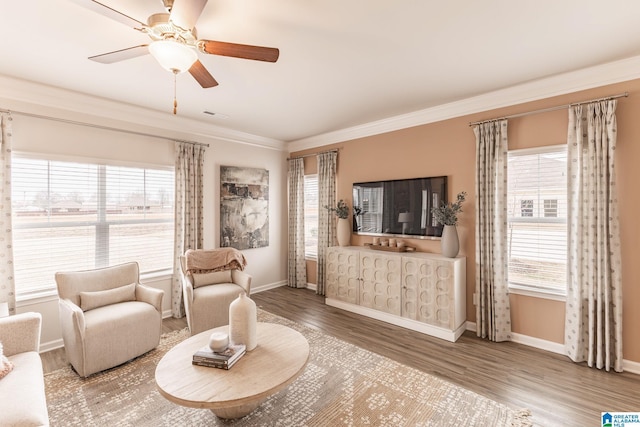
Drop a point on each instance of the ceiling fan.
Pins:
(175, 44)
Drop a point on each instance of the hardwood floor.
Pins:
(557, 391)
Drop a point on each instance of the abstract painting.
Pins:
(244, 207)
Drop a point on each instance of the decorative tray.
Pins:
(390, 248)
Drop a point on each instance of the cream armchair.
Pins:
(23, 400)
(107, 317)
(207, 294)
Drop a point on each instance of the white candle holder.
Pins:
(218, 341)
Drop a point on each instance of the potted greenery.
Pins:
(447, 215)
(341, 210)
(343, 231)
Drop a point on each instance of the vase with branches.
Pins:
(447, 215)
(343, 232)
(341, 210)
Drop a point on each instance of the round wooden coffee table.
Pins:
(279, 358)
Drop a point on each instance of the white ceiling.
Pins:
(342, 63)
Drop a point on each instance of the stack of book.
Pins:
(223, 359)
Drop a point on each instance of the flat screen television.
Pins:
(400, 207)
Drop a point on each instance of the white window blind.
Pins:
(537, 219)
(311, 216)
(77, 216)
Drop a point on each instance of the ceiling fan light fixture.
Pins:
(173, 55)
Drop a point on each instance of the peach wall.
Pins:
(312, 272)
(537, 317)
(448, 148)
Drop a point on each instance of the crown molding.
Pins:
(561, 84)
(65, 104)
(68, 104)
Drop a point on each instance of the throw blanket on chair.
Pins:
(209, 260)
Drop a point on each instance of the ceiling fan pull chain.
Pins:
(175, 98)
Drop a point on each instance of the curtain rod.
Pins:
(313, 154)
(546, 110)
(91, 125)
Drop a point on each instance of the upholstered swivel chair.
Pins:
(211, 280)
(107, 316)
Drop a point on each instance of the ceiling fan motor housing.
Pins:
(159, 27)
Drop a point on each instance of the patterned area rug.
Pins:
(343, 385)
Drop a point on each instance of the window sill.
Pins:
(311, 258)
(36, 296)
(156, 275)
(537, 293)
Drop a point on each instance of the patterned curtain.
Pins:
(593, 325)
(188, 212)
(7, 283)
(296, 261)
(326, 220)
(493, 317)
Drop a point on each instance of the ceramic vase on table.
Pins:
(343, 232)
(449, 244)
(243, 322)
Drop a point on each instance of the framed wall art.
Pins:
(244, 207)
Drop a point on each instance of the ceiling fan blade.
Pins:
(185, 13)
(110, 13)
(203, 76)
(245, 51)
(121, 55)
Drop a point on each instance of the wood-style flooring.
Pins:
(556, 390)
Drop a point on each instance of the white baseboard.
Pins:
(51, 345)
(631, 366)
(262, 288)
(551, 346)
(425, 328)
(554, 347)
(471, 326)
(310, 286)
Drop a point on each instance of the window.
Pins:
(311, 216)
(526, 207)
(551, 208)
(77, 216)
(370, 198)
(537, 220)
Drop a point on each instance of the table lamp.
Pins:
(405, 218)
